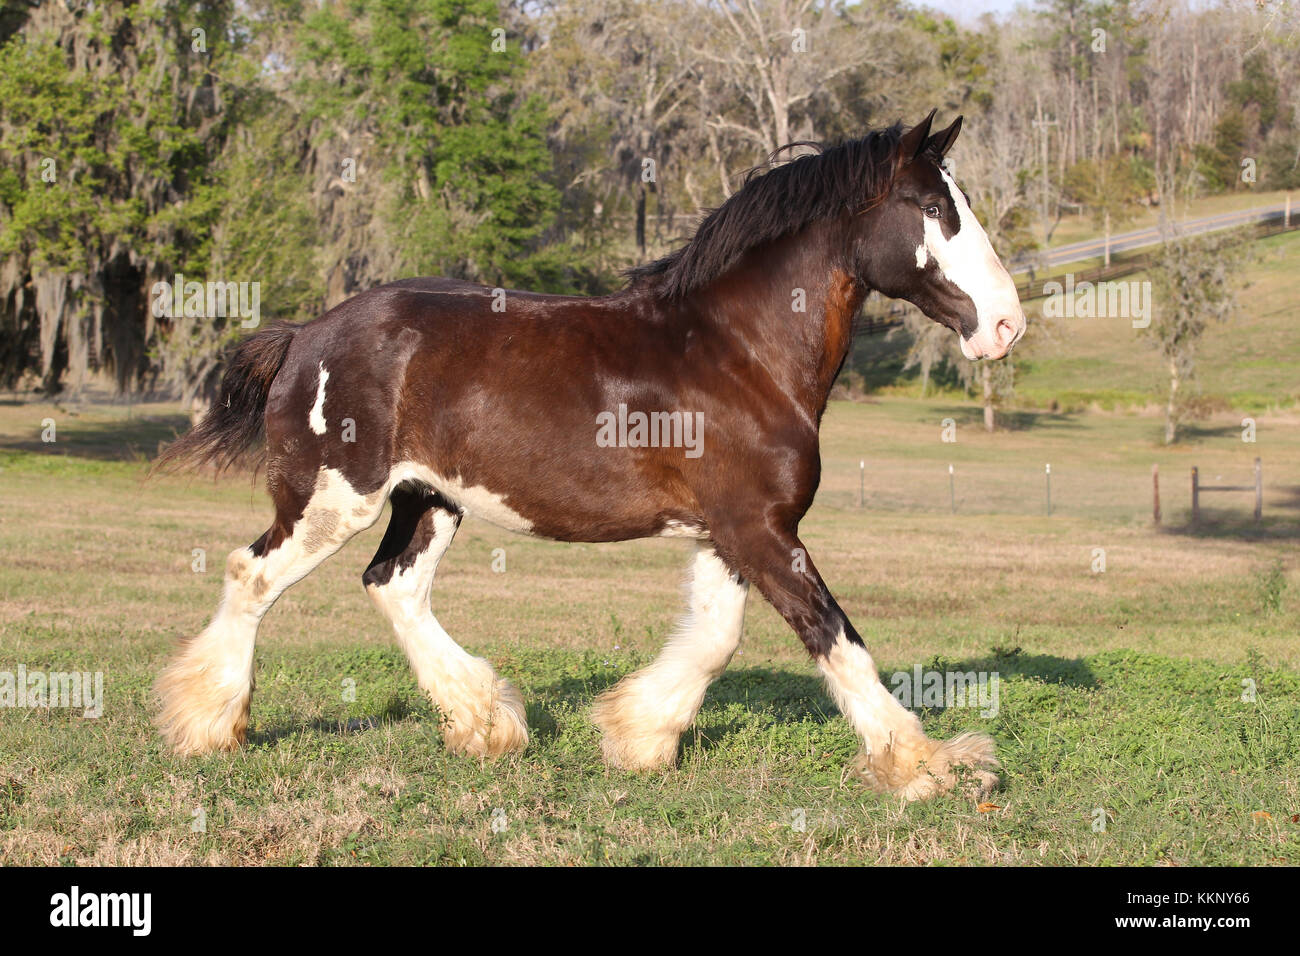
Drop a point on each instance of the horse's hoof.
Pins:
(927, 768)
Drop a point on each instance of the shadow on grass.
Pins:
(1238, 522)
(396, 710)
(135, 439)
(1190, 433)
(1223, 526)
(1232, 516)
(783, 696)
(791, 698)
(1009, 420)
(1013, 662)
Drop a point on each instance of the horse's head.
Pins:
(922, 243)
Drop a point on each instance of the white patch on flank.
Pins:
(644, 714)
(316, 420)
(474, 500)
(922, 256)
(681, 529)
(968, 261)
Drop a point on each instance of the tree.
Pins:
(1195, 280)
(769, 70)
(1109, 188)
(933, 345)
(464, 151)
(620, 76)
(111, 118)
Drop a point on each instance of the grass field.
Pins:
(1125, 718)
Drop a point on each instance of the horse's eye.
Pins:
(934, 212)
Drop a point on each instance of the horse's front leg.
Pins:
(644, 715)
(897, 756)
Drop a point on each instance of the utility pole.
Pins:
(1041, 124)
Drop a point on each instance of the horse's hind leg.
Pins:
(206, 690)
(483, 713)
(643, 716)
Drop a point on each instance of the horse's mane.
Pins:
(848, 176)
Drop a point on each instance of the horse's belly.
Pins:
(610, 513)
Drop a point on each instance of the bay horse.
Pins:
(445, 398)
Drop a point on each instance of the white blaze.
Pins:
(968, 261)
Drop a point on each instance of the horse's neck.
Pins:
(792, 303)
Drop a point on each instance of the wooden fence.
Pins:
(1198, 489)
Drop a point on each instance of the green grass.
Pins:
(1120, 694)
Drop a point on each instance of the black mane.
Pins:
(821, 185)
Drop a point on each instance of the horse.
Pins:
(443, 399)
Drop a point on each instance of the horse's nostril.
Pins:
(1005, 332)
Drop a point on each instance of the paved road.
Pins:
(1122, 242)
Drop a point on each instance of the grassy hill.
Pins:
(1250, 364)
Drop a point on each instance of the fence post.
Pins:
(1286, 221)
(1196, 496)
(1259, 490)
(1155, 494)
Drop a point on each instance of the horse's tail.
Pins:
(236, 421)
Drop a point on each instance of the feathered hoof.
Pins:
(632, 738)
(496, 727)
(197, 715)
(926, 768)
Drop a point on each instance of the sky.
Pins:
(967, 11)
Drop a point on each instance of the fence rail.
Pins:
(1257, 487)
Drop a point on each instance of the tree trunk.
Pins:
(989, 421)
(640, 220)
(1171, 419)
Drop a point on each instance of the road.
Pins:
(1122, 242)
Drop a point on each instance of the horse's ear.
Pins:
(914, 140)
(939, 144)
